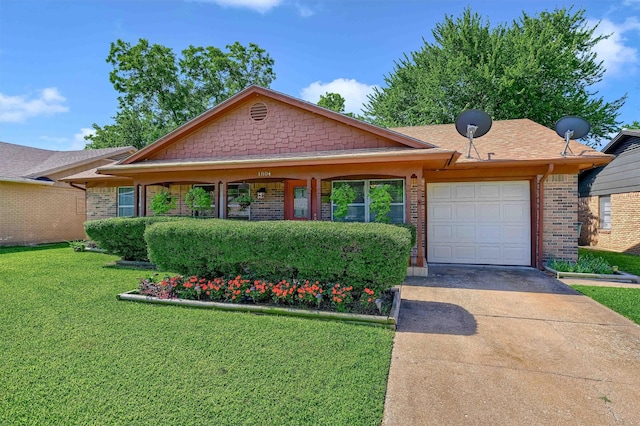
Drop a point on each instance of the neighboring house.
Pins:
(610, 198)
(515, 205)
(35, 206)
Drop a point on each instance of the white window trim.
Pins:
(604, 225)
(367, 186)
(119, 206)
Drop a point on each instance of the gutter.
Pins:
(26, 180)
(541, 213)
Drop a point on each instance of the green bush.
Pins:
(587, 264)
(412, 228)
(123, 236)
(357, 254)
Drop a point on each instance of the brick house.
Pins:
(515, 203)
(609, 203)
(37, 207)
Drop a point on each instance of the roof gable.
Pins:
(626, 140)
(290, 126)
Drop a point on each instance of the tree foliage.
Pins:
(333, 101)
(159, 91)
(540, 67)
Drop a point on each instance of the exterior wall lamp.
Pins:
(261, 193)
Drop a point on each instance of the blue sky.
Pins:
(54, 80)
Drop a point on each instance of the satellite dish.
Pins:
(571, 127)
(473, 123)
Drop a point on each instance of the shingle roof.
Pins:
(18, 161)
(520, 139)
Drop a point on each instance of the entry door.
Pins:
(296, 200)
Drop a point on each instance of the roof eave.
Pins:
(623, 134)
(383, 157)
(80, 163)
(27, 181)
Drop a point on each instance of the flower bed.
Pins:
(286, 293)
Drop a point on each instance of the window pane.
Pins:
(605, 212)
(300, 202)
(396, 214)
(125, 211)
(355, 213)
(396, 189)
(358, 188)
(125, 201)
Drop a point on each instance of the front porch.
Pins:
(289, 195)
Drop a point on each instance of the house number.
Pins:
(264, 174)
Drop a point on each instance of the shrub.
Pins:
(353, 254)
(123, 236)
(587, 264)
(162, 202)
(412, 228)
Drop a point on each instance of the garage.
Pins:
(484, 223)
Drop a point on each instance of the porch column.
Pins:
(309, 198)
(407, 196)
(223, 199)
(216, 200)
(318, 211)
(136, 200)
(143, 200)
(421, 219)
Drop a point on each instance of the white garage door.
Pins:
(487, 223)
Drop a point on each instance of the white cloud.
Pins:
(304, 11)
(78, 139)
(614, 51)
(261, 6)
(74, 143)
(354, 92)
(16, 109)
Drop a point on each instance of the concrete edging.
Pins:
(390, 321)
(620, 276)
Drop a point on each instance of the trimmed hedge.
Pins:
(123, 236)
(358, 254)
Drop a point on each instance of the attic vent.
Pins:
(258, 111)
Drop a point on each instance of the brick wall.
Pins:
(560, 233)
(624, 235)
(271, 207)
(34, 214)
(285, 130)
(102, 203)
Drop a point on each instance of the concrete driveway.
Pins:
(498, 346)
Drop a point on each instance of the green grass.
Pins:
(625, 301)
(625, 262)
(70, 353)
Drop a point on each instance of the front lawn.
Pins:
(72, 354)
(625, 262)
(625, 301)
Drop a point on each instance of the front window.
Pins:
(359, 209)
(235, 208)
(605, 212)
(125, 201)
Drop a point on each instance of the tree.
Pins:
(332, 101)
(634, 125)
(159, 91)
(539, 67)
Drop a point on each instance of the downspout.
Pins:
(541, 213)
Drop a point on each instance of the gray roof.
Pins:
(18, 161)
